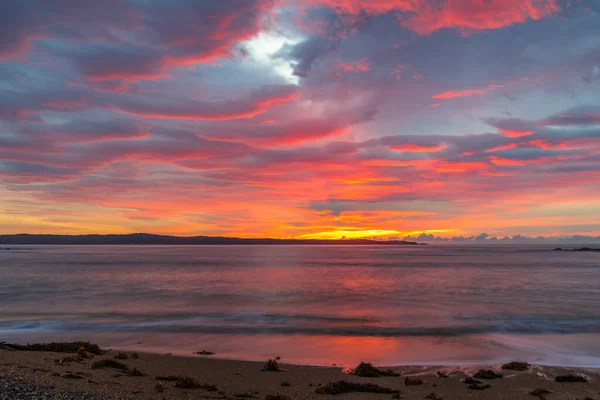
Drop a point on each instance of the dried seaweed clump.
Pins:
(516, 366)
(340, 387)
(108, 363)
(369, 371)
(271, 365)
(58, 347)
(571, 378)
(487, 374)
(540, 392)
(412, 381)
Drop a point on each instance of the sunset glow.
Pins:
(322, 119)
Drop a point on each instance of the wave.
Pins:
(270, 326)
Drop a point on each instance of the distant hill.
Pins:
(150, 239)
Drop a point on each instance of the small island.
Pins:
(578, 249)
(150, 239)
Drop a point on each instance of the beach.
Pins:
(215, 378)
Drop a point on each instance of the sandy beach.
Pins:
(213, 378)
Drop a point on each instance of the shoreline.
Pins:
(219, 378)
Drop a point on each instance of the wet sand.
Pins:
(233, 378)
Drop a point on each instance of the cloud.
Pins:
(133, 40)
(457, 93)
(253, 104)
(425, 17)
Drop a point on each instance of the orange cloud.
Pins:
(515, 133)
(458, 93)
(505, 162)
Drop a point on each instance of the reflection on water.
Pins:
(311, 304)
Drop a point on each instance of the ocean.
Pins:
(323, 305)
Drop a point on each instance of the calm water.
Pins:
(311, 304)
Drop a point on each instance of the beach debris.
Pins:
(441, 374)
(286, 383)
(185, 382)
(204, 353)
(66, 360)
(412, 381)
(478, 386)
(72, 376)
(396, 396)
(167, 378)
(369, 371)
(516, 366)
(433, 396)
(571, 378)
(487, 374)
(206, 386)
(121, 356)
(83, 354)
(246, 395)
(136, 372)
(471, 381)
(159, 387)
(540, 392)
(135, 355)
(7, 346)
(276, 397)
(108, 363)
(271, 365)
(57, 347)
(347, 387)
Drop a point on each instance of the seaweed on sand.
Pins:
(136, 372)
(516, 366)
(540, 392)
(487, 374)
(478, 386)
(369, 371)
(108, 363)
(204, 353)
(167, 378)
(571, 378)
(271, 365)
(185, 382)
(412, 381)
(347, 387)
(58, 347)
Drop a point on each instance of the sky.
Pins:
(300, 118)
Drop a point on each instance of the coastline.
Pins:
(225, 378)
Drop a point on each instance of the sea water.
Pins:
(390, 305)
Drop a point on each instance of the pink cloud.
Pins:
(361, 65)
(425, 17)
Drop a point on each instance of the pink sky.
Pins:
(300, 118)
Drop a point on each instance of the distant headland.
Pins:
(151, 239)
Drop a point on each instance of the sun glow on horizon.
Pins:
(367, 233)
